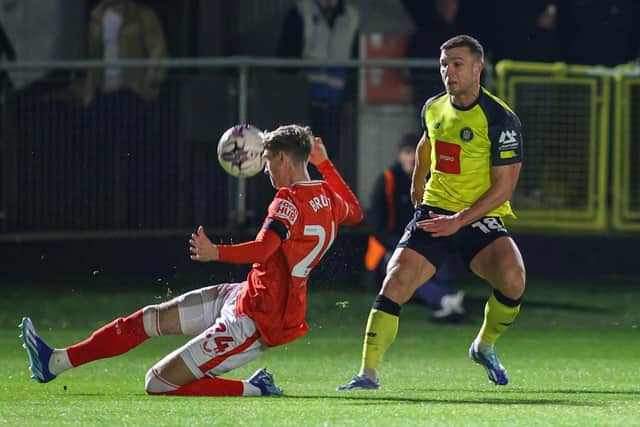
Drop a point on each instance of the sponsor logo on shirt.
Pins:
(507, 137)
(287, 211)
(448, 157)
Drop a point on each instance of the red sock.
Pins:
(210, 387)
(112, 339)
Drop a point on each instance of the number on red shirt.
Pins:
(303, 268)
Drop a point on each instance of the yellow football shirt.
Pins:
(465, 144)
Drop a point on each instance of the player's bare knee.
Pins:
(396, 288)
(514, 283)
(161, 319)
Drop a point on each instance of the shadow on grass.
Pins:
(378, 400)
(360, 398)
(572, 391)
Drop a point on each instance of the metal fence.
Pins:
(565, 114)
(626, 155)
(118, 164)
(582, 145)
(123, 164)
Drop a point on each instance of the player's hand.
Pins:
(440, 225)
(201, 247)
(318, 152)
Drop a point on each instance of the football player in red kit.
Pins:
(232, 323)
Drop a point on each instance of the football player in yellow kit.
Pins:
(472, 147)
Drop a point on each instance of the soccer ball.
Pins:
(240, 151)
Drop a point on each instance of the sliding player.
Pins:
(232, 323)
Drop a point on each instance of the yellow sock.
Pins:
(382, 329)
(497, 318)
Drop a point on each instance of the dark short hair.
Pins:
(464, 40)
(294, 140)
(409, 141)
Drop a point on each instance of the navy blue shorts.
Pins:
(466, 242)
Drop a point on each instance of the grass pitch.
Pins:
(572, 356)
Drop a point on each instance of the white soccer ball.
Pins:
(240, 151)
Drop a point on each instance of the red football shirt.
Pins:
(301, 224)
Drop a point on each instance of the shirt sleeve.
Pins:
(346, 201)
(258, 250)
(423, 121)
(423, 113)
(276, 228)
(282, 215)
(506, 141)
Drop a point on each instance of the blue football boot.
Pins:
(360, 382)
(264, 381)
(39, 352)
(489, 359)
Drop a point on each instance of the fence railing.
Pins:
(626, 154)
(565, 111)
(122, 163)
(581, 130)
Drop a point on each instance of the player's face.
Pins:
(274, 168)
(460, 70)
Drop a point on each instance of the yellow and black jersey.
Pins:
(465, 144)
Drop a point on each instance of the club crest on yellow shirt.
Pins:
(466, 134)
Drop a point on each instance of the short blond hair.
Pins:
(294, 140)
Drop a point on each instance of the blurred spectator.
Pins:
(124, 29)
(524, 31)
(321, 30)
(42, 31)
(391, 210)
(521, 31)
(122, 118)
(598, 32)
(435, 21)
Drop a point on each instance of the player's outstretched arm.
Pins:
(258, 250)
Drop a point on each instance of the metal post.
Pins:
(243, 92)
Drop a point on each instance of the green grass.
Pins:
(573, 358)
